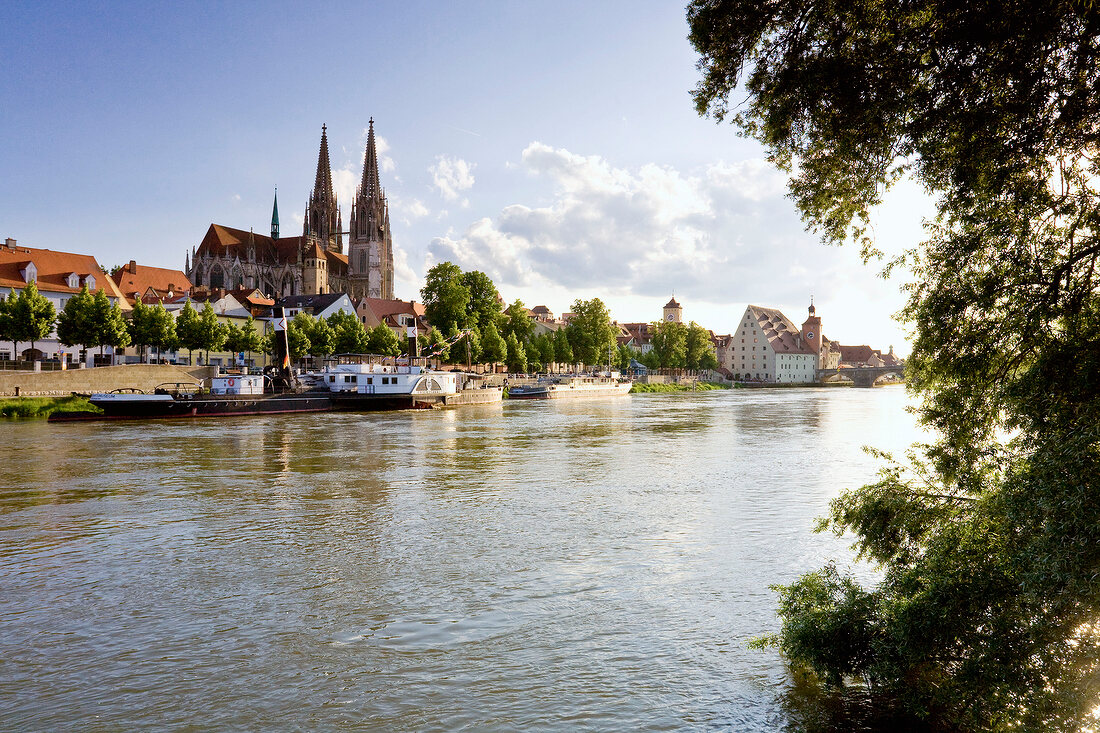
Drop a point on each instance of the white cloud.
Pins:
(236, 198)
(646, 231)
(452, 176)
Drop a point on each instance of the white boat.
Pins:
(387, 379)
(571, 386)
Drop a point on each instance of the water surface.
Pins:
(564, 565)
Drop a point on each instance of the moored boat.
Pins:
(571, 386)
(360, 385)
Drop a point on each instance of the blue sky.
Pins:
(551, 144)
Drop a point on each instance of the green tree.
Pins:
(541, 349)
(382, 340)
(188, 330)
(162, 330)
(669, 341)
(211, 333)
(108, 322)
(349, 335)
(321, 336)
(986, 612)
(591, 333)
(698, 347)
(466, 349)
(445, 297)
(139, 325)
(625, 355)
(297, 340)
(518, 321)
(483, 306)
(515, 355)
(434, 345)
(492, 346)
(76, 322)
(233, 337)
(30, 316)
(563, 350)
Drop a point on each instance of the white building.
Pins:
(768, 347)
(58, 276)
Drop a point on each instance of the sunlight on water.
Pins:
(556, 565)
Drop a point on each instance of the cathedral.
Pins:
(313, 263)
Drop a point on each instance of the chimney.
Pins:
(133, 267)
(9, 243)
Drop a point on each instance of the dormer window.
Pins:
(89, 280)
(29, 273)
(73, 280)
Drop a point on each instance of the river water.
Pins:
(564, 565)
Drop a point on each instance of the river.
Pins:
(564, 565)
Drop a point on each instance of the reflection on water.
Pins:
(559, 565)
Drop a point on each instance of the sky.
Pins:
(552, 145)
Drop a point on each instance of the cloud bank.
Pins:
(722, 233)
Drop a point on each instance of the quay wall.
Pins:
(145, 377)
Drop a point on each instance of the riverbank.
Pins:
(639, 388)
(43, 407)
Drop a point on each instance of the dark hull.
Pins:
(205, 406)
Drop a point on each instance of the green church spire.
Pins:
(275, 217)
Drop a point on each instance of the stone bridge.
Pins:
(862, 376)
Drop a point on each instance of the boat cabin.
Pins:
(248, 384)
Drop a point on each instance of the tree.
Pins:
(515, 355)
(518, 321)
(492, 346)
(140, 326)
(434, 345)
(349, 335)
(233, 336)
(466, 349)
(563, 350)
(320, 335)
(162, 330)
(76, 322)
(483, 306)
(698, 347)
(541, 349)
(988, 538)
(591, 332)
(188, 330)
(382, 340)
(210, 332)
(669, 341)
(108, 323)
(445, 297)
(30, 316)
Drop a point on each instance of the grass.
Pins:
(700, 387)
(42, 407)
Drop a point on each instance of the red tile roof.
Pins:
(782, 334)
(135, 278)
(53, 270)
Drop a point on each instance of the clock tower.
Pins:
(673, 312)
(811, 334)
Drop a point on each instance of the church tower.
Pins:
(673, 312)
(322, 224)
(275, 217)
(811, 334)
(370, 249)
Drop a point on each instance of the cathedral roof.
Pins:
(223, 241)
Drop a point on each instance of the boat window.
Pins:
(370, 380)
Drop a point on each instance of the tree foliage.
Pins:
(75, 323)
(493, 348)
(28, 316)
(109, 324)
(188, 332)
(989, 539)
(669, 341)
(516, 355)
(518, 321)
(483, 307)
(445, 297)
(349, 334)
(590, 331)
(382, 340)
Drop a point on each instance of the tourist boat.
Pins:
(571, 386)
(359, 385)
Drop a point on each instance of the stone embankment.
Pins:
(145, 377)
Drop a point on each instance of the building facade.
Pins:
(313, 263)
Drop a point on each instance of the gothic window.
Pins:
(217, 278)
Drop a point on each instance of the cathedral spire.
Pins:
(323, 184)
(275, 217)
(369, 187)
(322, 222)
